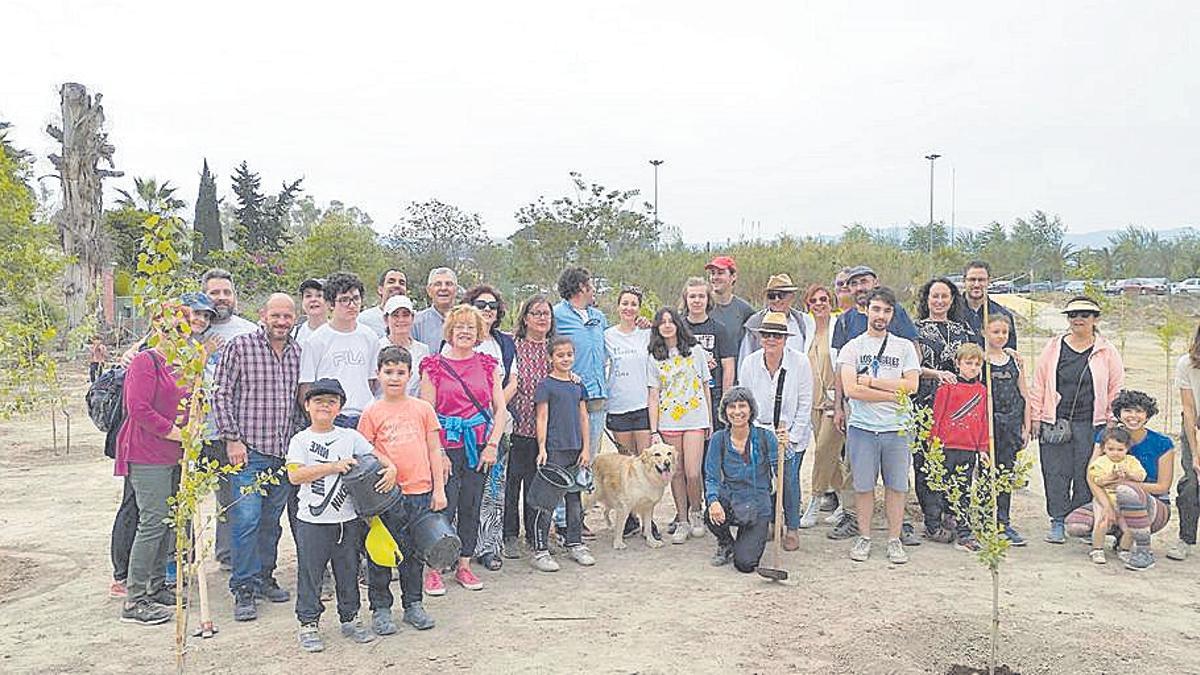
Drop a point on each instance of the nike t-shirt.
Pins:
(325, 500)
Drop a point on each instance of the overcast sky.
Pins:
(804, 116)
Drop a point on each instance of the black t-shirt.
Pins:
(711, 335)
(1074, 373)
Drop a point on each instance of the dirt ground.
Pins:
(636, 611)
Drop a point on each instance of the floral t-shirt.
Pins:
(681, 382)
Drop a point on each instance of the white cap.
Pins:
(397, 302)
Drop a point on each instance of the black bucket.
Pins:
(548, 487)
(436, 542)
(360, 482)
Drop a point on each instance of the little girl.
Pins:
(679, 407)
(1114, 460)
(1010, 410)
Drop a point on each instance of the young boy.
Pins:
(1010, 411)
(97, 355)
(404, 433)
(960, 421)
(562, 435)
(328, 529)
(1114, 461)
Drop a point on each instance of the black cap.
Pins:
(326, 385)
(316, 284)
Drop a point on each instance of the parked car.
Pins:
(1000, 287)
(1074, 287)
(1189, 286)
(1149, 286)
(1037, 287)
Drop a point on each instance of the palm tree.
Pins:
(151, 197)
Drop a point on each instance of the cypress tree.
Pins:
(208, 218)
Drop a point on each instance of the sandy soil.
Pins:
(638, 610)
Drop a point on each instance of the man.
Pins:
(696, 302)
(316, 310)
(781, 292)
(873, 367)
(256, 384)
(977, 275)
(841, 288)
(343, 350)
(217, 284)
(391, 282)
(442, 289)
(576, 317)
(728, 309)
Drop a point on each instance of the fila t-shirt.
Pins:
(326, 500)
(348, 357)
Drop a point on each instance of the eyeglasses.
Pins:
(771, 336)
(1081, 314)
(818, 299)
(349, 300)
(777, 295)
(487, 304)
(841, 283)
(539, 314)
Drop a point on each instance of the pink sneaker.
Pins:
(433, 583)
(117, 590)
(467, 579)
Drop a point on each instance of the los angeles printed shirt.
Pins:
(325, 500)
(859, 355)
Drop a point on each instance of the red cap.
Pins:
(722, 262)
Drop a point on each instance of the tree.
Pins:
(208, 217)
(1038, 242)
(262, 220)
(151, 197)
(339, 242)
(123, 228)
(436, 234)
(917, 239)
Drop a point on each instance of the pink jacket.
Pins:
(1108, 376)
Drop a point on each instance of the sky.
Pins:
(792, 117)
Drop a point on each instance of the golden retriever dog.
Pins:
(631, 484)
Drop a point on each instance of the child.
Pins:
(960, 421)
(562, 435)
(1010, 411)
(97, 355)
(1114, 460)
(404, 432)
(328, 529)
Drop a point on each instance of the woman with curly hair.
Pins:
(1144, 506)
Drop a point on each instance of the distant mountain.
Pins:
(1100, 238)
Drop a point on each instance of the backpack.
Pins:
(105, 399)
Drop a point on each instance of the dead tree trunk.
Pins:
(84, 146)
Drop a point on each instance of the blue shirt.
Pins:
(562, 399)
(729, 477)
(1149, 451)
(853, 323)
(588, 338)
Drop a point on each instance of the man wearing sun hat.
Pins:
(780, 293)
(728, 309)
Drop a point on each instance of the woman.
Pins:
(148, 453)
(781, 378)
(500, 346)
(1075, 382)
(941, 330)
(679, 414)
(398, 314)
(1187, 379)
(738, 466)
(535, 325)
(467, 391)
(628, 352)
(1144, 506)
(695, 303)
(827, 474)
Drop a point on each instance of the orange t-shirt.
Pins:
(398, 430)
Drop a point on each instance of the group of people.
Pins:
(460, 415)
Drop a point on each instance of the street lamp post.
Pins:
(656, 163)
(931, 158)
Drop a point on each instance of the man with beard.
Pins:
(442, 289)
(256, 384)
(976, 276)
(728, 309)
(391, 282)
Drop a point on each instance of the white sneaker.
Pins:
(1179, 550)
(697, 525)
(542, 561)
(809, 519)
(861, 550)
(580, 554)
(833, 518)
(896, 553)
(682, 530)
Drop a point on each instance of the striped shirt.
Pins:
(255, 397)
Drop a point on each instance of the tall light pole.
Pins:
(656, 163)
(931, 158)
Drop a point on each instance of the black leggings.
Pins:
(464, 495)
(522, 467)
(750, 542)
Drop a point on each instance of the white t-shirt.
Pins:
(898, 357)
(628, 359)
(325, 500)
(373, 318)
(231, 328)
(302, 332)
(348, 358)
(1187, 377)
(418, 350)
(682, 382)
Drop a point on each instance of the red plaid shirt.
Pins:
(255, 397)
(533, 366)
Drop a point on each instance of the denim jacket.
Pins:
(729, 478)
(588, 339)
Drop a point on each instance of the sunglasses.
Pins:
(777, 295)
(487, 304)
(818, 299)
(841, 284)
(1082, 314)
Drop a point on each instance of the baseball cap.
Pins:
(397, 302)
(722, 262)
(859, 271)
(198, 302)
(326, 385)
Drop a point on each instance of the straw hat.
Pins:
(775, 323)
(782, 283)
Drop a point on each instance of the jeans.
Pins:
(123, 530)
(750, 542)
(1188, 498)
(961, 463)
(224, 496)
(319, 545)
(791, 490)
(573, 507)
(152, 484)
(396, 520)
(522, 468)
(254, 520)
(94, 370)
(931, 502)
(1064, 471)
(464, 495)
